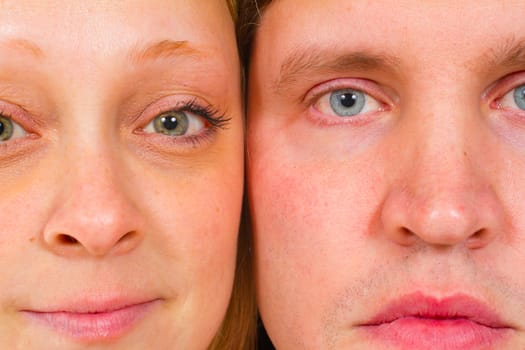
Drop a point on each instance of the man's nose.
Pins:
(95, 213)
(445, 192)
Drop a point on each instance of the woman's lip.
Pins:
(417, 321)
(93, 322)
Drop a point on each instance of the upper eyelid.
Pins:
(504, 85)
(18, 116)
(170, 103)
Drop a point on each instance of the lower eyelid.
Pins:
(323, 120)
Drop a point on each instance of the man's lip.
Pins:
(456, 307)
(419, 321)
(92, 321)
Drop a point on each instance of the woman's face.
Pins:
(121, 168)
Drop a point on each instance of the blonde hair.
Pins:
(232, 5)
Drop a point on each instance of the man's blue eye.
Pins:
(519, 96)
(347, 102)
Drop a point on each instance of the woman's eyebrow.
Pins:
(164, 49)
(149, 52)
(304, 62)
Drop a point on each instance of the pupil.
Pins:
(348, 100)
(2, 128)
(170, 123)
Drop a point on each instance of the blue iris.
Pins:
(519, 96)
(348, 102)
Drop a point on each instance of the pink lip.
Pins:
(93, 321)
(417, 321)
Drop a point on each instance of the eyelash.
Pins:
(216, 119)
(213, 118)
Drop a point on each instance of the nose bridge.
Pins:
(442, 161)
(442, 196)
(95, 213)
(439, 127)
(92, 180)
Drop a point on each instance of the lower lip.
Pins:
(437, 334)
(93, 327)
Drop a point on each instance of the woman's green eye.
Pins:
(6, 128)
(176, 123)
(171, 123)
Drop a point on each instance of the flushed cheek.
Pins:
(311, 229)
(320, 203)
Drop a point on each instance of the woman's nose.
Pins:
(95, 214)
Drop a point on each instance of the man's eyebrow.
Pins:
(510, 54)
(304, 62)
(163, 49)
(513, 53)
(24, 47)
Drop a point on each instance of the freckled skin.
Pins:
(94, 207)
(420, 195)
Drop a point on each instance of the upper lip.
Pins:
(419, 305)
(92, 305)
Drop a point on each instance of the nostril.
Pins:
(405, 237)
(127, 237)
(96, 245)
(127, 241)
(478, 239)
(66, 239)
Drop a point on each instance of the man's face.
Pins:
(386, 150)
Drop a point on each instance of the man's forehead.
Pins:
(315, 37)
